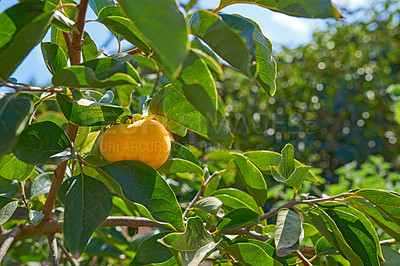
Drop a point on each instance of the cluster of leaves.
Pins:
(224, 192)
(332, 104)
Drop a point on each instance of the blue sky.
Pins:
(279, 28)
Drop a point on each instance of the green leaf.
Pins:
(125, 94)
(7, 209)
(163, 27)
(211, 63)
(249, 254)
(43, 142)
(145, 62)
(57, 37)
(62, 22)
(172, 166)
(142, 184)
(107, 97)
(357, 230)
(210, 205)
(97, 73)
(151, 251)
(288, 233)
(299, 8)
(194, 243)
(89, 113)
(34, 217)
(392, 257)
(252, 178)
(197, 85)
(376, 215)
(20, 33)
(84, 212)
(323, 247)
(54, 56)
(13, 116)
(328, 228)
(388, 202)
(235, 199)
(13, 169)
(97, 5)
(41, 185)
(181, 152)
(116, 21)
(8, 188)
(236, 219)
(89, 48)
(168, 103)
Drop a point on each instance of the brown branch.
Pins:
(133, 51)
(8, 241)
(74, 52)
(65, 252)
(273, 212)
(18, 88)
(53, 249)
(303, 258)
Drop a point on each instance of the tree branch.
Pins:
(18, 88)
(303, 258)
(65, 251)
(53, 249)
(8, 241)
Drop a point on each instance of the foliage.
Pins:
(225, 206)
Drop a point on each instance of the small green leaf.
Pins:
(125, 94)
(288, 233)
(13, 169)
(43, 142)
(97, 73)
(7, 209)
(250, 254)
(182, 152)
(172, 166)
(57, 37)
(171, 105)
(234, 199)
(89, 48)
(142, 184)
(252, 178)
(89, 113)
(13, 116)
(107, 97)
(20, 33)
(54, 56)
(115, 20)
(210, 205)
(97, 5)
(299, 8)
(194, 244)
(236, 219)
(84, 212)
(323, 247)
(151, 251)
(41, 185)
(34, 217)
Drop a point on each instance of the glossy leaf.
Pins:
(89, 48)
(84, 212)
(13, 116)
(288, 233)
(41, 184)
(7, 209)
(151, 251)
(252, 178)
(182, 152)
(8, 188)
(97, 5)
(169, 104)
(125, 94)
(54, 56)
(115, 20)
(107, 97)
(172, 166)
(249, 254)
(194, 243)
(34, 217)
(209, 205)
(197, 85)
(43, 142)
(97, 73)
(308, 8)
(163, 27)
(236, 219)
(19, 34)
(89, 113)
(235, 199)
(12, 168)
(142, 184)
(376, 215)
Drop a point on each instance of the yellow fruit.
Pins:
(146, 141)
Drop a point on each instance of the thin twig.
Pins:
(68, 5)
(53, 249)
(7, 243)
(303, 258)
(65, 251)
(156, 83)
(23, 194)
(133, 51)
(18, 88)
